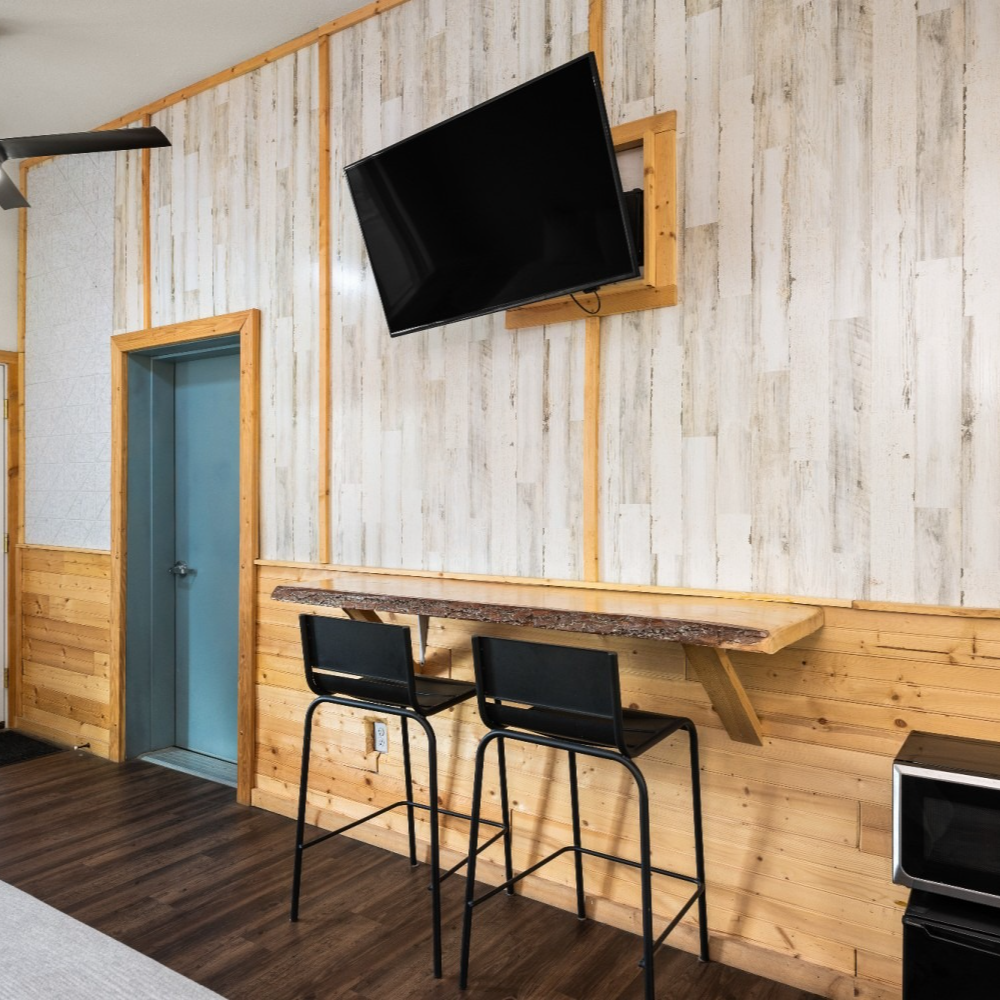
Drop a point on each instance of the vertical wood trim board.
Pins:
(595, 33)
(12, 359)
(592, 373)
(323, 249)
(119, 550)
(16, 512)
(591, 450)
(246, 705)
(147, 252)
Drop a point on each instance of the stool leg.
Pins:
(300, 819)
(470, 885)
(505, 814)
(435, 845)
(699, 845)
(581, 903)
(408, 776)
(646, 878)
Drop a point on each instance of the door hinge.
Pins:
(6, 677)
(6, 543)
(6, 409)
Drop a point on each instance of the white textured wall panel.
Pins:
(67, 361)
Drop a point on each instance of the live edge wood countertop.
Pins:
(704, 626)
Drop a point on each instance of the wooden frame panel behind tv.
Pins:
(658, 284)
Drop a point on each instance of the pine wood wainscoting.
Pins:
(63, 688)
(797, 831)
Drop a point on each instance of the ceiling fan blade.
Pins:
(82, 142)
(10, 196)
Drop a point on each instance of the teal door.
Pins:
(206, 553)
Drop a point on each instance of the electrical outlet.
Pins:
(381, 733)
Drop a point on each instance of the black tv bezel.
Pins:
(636, 270)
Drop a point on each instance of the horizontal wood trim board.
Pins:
(328, 568)
(249, 65)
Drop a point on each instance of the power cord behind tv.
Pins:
(596, 294)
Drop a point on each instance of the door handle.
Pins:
(180, 569)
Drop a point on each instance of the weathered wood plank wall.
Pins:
(233, 227)
(818, 417)
(815, 405)
(129, 225)
(457, 448)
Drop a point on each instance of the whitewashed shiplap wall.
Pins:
(819, 416)
(129, 276)
(233, 227)
(67, 370)
(459, 448)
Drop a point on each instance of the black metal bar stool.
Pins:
(369, 665)
(569, 699)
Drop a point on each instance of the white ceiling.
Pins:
(71, 65)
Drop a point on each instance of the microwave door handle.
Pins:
(966, 939)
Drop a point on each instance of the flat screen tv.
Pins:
(513, 201)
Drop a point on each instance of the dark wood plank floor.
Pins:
(170, 865)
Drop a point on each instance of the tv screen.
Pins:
(516, 200)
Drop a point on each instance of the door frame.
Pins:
(247, 326)
(12, 361)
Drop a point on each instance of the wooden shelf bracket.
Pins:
(726, 691)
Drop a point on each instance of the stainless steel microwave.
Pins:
(946, 817)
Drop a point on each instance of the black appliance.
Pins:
(951, 949)
(946, 846)
(513, 201)
(946, 817)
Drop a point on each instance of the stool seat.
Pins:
(641, 730)
(433, 694)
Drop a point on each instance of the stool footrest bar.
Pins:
(396, 805)
(594, 854)
(479, 850)
(680, 915)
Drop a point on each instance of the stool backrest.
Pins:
(561, 691)
(371, 661)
